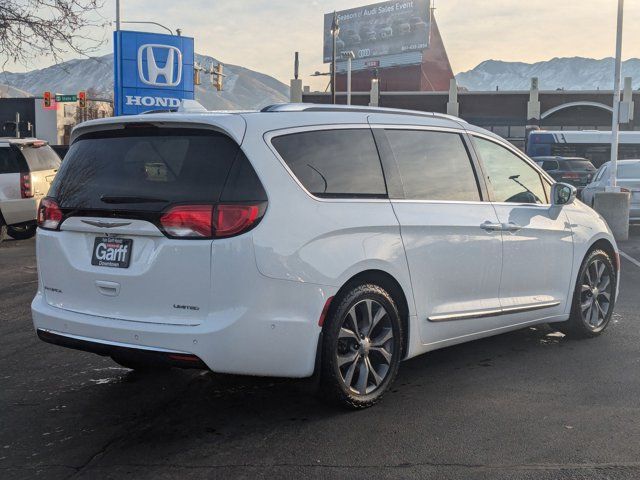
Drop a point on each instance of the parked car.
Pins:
(27, 168)
(628, 178)
(309, 239)
(573, 170)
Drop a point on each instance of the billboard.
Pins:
(152, 71)
(386, 28)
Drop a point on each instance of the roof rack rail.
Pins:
(315, 107)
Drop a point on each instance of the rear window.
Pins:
(629, 170)
(41, 158)
(146, 169)
(581, 165)
(334, 163)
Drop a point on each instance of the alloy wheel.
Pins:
(595, 295)
(365, 347)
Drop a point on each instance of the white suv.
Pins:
(27, 168)
(309, 239)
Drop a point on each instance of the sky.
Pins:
(264, 34)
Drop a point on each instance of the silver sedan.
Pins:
(628, 178)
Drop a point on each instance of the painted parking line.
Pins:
(631, 259)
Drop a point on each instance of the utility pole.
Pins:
(17, 124)
(350, 56)
(335, 29)
(615, 124)
(117, 15)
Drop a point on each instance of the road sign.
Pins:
(66, 98)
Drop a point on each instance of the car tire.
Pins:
(593, 298)
(139, 366)
(22, 233)
(361, 347)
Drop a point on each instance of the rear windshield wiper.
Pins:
(131, 199)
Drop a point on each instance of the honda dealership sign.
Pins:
(152, 71)
(387, 28)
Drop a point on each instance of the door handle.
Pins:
(511, 227)
(491, 227)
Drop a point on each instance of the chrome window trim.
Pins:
(495, 312)
(270, 135)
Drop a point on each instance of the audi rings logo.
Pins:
(169, 75)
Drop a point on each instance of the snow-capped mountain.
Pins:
(243, 88)
(576, 73)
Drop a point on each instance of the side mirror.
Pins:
(563, 194)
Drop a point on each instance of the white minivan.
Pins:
(308, 239)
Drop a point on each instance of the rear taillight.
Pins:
(188, 221)
(49, 214)
(625, 190)
(26, 187)
(229, 220)
(208, 221)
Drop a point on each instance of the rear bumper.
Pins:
(269, 338)
(132, 353)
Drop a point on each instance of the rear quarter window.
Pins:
(8, 161)
(334, 163)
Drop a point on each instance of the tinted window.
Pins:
(580, 165)
(549, 165)
(41, 158)
(512, 179)
(154, 167)
(433, 165)
(8, 161)
(334, 163)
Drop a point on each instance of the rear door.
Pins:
(537, 258)
(111, 257)
(451, 236)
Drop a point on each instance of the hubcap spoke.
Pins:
(345, 334)
(383, 353)
(353, 319)
(347, 358)
(587, 304)
(377, 379)
(382, 339)
(363, 379)
(604, 283)
(586, 288)
(368, 316)
(348, 377)
(380, 314)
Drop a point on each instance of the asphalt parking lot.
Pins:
(525, 405)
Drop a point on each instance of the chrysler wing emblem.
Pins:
(106, 224)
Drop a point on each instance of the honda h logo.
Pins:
(168, 75)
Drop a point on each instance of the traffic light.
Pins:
(82, 99)
(47, 99)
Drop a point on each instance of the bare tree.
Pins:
(35, 28)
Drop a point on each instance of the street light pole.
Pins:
(349, 56)
(335, 28)
(117, 15)
(615, 124)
